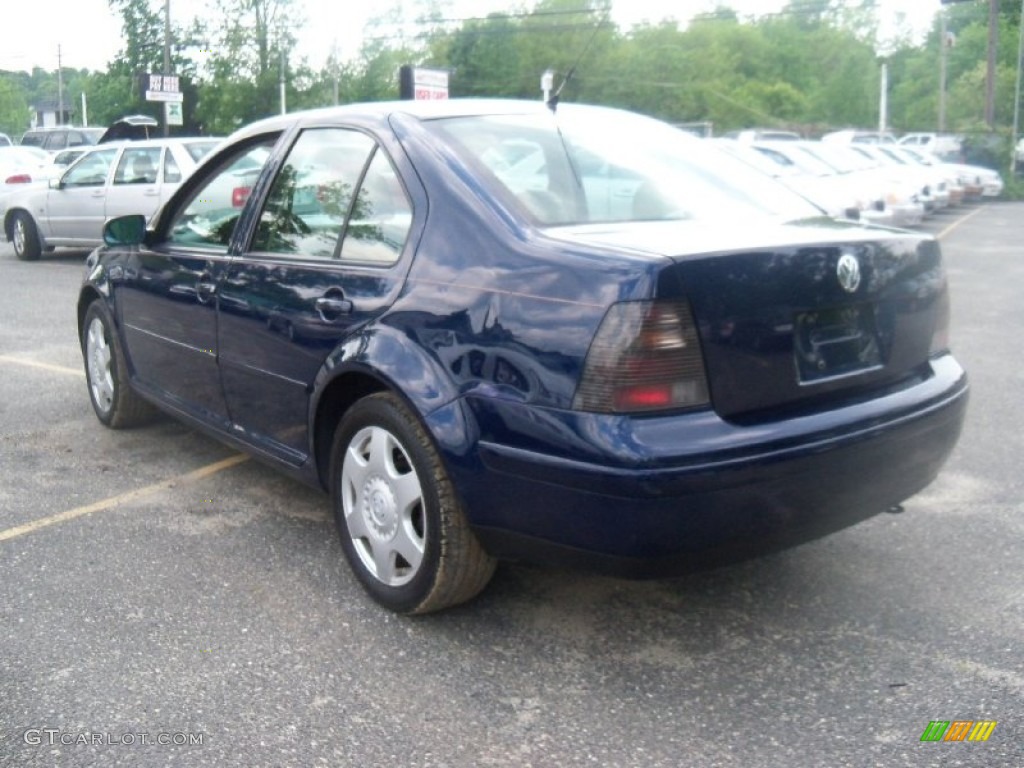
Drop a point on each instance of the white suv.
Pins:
(53, 140)
(943, 146)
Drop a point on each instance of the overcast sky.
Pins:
(88, 34)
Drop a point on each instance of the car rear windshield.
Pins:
(591, 164)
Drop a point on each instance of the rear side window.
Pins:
(381, 216)
(138, 166)
(33, 139)
(56, 140)
(309, 200)
(314, 210)
(77, 139)
(172, 173)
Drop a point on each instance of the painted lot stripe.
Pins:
(124, 498)
(957, 223)
(42, 366)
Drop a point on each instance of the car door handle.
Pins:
(205, 288)
(333, 307)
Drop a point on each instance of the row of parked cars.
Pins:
(882, 183)
(505, 329)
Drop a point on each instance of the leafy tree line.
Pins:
(812, 67)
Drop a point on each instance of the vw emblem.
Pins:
(848, 272)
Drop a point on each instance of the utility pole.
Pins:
(883, 100)
(283, 106)
(167, 56)
(990, 75)
(60, 89)
(1016, 93)
(943, 56)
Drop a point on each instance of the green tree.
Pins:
(247, 55)
(14, 111)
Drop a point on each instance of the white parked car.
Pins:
(107, 181)
(21, 167)
(979, 181)
(946, 171)
(929, 187)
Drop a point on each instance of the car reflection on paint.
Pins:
(495, 329)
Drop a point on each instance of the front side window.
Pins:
(138, 165)
(91, 170)
(207, 219)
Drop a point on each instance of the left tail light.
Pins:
(18, 178)
(645, 357)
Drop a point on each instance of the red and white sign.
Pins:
(430, 84)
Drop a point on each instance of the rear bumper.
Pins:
(764, 490)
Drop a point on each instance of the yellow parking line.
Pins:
(957, 223)
(124, 498)
(43, 366)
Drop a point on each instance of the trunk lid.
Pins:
(796, 316)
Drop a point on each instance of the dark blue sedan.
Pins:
(494, 330)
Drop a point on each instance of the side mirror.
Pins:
(56, 183)
(125, 230)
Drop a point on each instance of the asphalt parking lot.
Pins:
(164, 601)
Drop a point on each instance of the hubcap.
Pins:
(382, 501)
(19, 235)
(97, 359)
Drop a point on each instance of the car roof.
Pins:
(427, 109)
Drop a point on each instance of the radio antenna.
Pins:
(553, 101)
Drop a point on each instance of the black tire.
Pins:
(25, 237)
(117, 405)
(402, 526)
